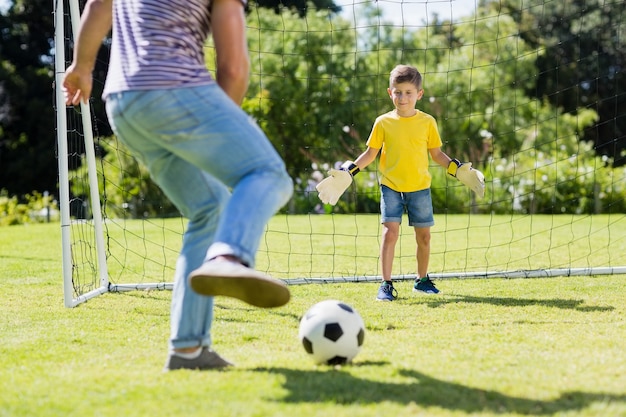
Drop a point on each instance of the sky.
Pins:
(413, 12)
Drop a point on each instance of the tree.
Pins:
(317, 106)
(301, 84)
(27, 122)
(301, 7)
(582, 64)
(318, 83)
(27, 114)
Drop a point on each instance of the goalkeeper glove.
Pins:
(332, 187)
(471, 177)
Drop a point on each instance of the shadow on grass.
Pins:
(568, 304)
(29, 258)
(340, 387)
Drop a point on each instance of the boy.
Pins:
(404, 137)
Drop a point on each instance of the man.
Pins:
(206, 154)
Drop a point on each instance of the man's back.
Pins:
(158, 44)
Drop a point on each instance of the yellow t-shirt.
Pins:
(404, 144)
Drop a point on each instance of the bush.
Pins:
(30, 208)
(531, 182)
(568, 178)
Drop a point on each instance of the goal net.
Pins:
(535, 103)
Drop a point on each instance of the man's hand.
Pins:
(95, 23)
(77, 86)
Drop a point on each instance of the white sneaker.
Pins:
(232, 279)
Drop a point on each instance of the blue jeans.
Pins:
(418, 204)
(219, 169)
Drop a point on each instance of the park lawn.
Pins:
(483, 347)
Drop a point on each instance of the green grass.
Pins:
(301, 246)
(523, 347)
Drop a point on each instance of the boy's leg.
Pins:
(391, 231)
(422, 238)
(422, 282)
(420, 208)
(204, 128)
(391, 209)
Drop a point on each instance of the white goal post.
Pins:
(117, 236)
(64, 194)
(91, 227)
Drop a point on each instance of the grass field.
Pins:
(312, 246)
(522, 347)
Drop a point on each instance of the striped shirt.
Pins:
(158, 44)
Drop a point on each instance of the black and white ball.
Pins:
(332, 332)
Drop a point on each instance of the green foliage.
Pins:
(301, 85)
(316, 100)
(127, 189)
(583, 60)
(27, 115)
(12, 212)
(563, 175)
(301, 7)
(476, 75)
(318, 83)
(31, 208)
(566, 178)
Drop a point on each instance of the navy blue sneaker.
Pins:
(386, 292)
(425, 285)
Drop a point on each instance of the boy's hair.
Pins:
(405, 74)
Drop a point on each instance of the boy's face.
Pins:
(404, 97)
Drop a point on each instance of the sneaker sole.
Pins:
(206, 361)
(425, 292)
(246, 285)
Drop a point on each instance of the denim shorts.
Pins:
(418, 204)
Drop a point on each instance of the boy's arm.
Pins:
(440, 157)
(333, 187)
(471, 177)
(366, 158)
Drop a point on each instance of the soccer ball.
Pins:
(332, 332)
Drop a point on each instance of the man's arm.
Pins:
(229, 35)
(95, 23)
